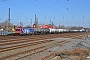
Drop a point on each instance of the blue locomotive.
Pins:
(24, 31)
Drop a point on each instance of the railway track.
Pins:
(32, 51)
(14, 43)
(35, 49)
(51, 55)
(22, 54)
(23, 45)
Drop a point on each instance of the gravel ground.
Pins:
(70, 45)
(54, 47)
(80, 43)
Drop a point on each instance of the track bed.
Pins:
(21, 47)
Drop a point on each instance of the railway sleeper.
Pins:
(25, 54)
(21, 48)
(29, 51)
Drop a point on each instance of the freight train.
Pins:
(30, 31)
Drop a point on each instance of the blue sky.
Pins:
(63, 12)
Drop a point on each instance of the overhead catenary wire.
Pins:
(67, 8)
(25, 8)
(52, 8)
(5, 1)
(29, 9)
(49, 7)
(41, 7)
(70, 9)
(82, 9)
(60, 4)
(78, 7)
(21, 7)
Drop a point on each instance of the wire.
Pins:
(78, 7)
(41, 7)
(63, 7)
(72, 12)
(49, 7)
(23, 8)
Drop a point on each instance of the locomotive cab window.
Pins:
(17, 29)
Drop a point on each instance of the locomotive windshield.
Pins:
(17, 30)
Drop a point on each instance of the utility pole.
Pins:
(9, 16)
(50, 22)
(59, 25)
(8, 21)
(36, 21)
(31, 22)
(7, 24)
(21, 24)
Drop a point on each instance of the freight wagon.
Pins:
(41, 30)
